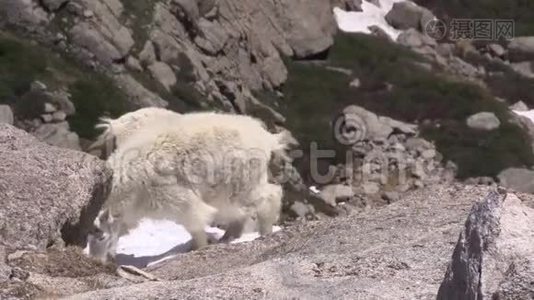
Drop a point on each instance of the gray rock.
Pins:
(371, 188)
(350, 5)
(391, 197)
(212, 36)
(398, 252)
(300, 209)
(331, 194)
(139, 95)
(6, 115)
(410, 38)
(38, 86)
(49, 108)
(519, 106)
(53, 5)
(310, 26)
(43, 190)
(163, 73)
(87, 36)
(521, 49)
(518, 179)
(355, 83)
(88, 13)
(59, 116)
(429, 154)
(496, 50)
(484, 121)
(58, 134)
(147, 56)
(189, 8)
(47, 118)
(524, 68)
(494, 257)
(418, 144)
(361, 124)
(406, 15)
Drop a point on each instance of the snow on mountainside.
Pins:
(371, 15)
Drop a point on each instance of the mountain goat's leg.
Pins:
(234, 229)
(185, 207)
(270, 204)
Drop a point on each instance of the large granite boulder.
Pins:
(494, 257)
(398, 252)
(46, 193)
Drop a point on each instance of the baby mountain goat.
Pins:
(195, 169)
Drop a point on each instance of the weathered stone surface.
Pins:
(519, 106)
(163, 73)
(332, 193)
(405, 15)
(521, 48)
(43, 189)
(524, 68)
(308, 25)
(365, 125)
(6, 114)
(494, 257)
(53, 5)
(518, 179)
(398, 252)
(484, 121)
(57, 134)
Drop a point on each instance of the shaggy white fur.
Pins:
(117, 131)
(195, 169)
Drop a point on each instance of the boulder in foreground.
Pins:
(494, 257)
(46, 193)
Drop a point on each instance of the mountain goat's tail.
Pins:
(106, 140)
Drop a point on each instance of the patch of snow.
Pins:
(354, 21)
(154, 241)
(529, 114)
(314, 189)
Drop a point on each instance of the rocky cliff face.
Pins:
(222, 50)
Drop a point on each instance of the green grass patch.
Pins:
(521, 11)
(93, 94)
(393, 85)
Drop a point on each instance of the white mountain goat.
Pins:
(195, 169)
(117, 131)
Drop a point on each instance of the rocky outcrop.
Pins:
(406, 14)
(6, 114)
(387, 157)
(222, 49)
(43, 191)
(521, 49)
(45, 115)
(483, 121)
(398, 252)
(518, 179)
(494, 257)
